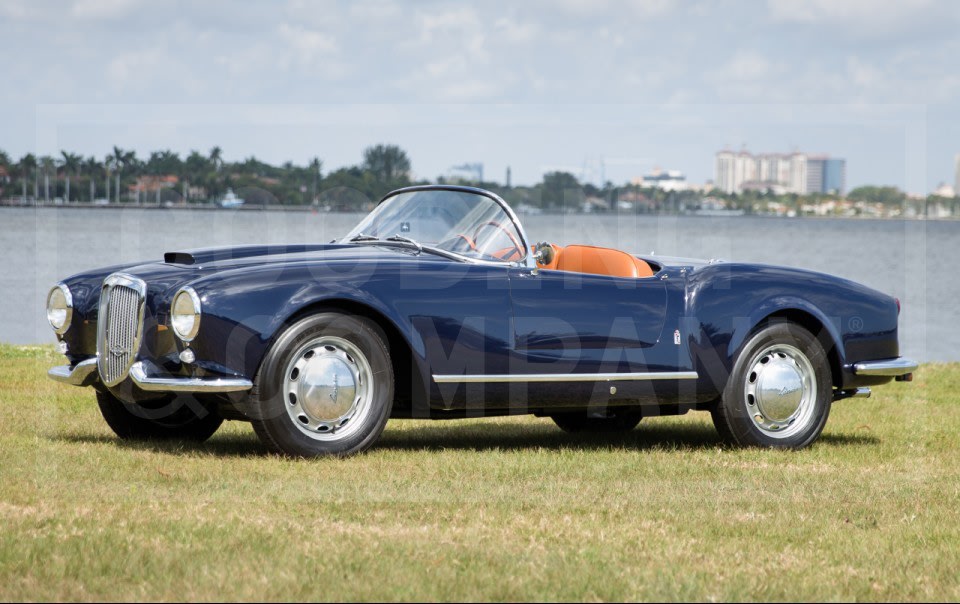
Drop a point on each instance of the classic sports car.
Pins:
(437, 306)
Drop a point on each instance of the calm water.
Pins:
(911, 260)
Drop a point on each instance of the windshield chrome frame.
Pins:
(527, 259)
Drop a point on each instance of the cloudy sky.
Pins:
(598, 87)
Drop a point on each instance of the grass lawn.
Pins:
(499, 509)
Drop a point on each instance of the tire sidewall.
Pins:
(174, 417)
(734, 405)
(272, 421)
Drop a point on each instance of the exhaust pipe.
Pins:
(856, 393)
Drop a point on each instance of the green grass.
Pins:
(499, 509)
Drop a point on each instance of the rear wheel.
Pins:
(610, 421)
(324, 388)
(779, 392)
(170, 418)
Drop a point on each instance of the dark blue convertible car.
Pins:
(437, 306)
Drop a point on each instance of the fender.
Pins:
(778, 304)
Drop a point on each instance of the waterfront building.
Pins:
(793, 173)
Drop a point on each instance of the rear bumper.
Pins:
(897, 367)
(85, 374)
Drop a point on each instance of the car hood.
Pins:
(203, 262)
(181, 267)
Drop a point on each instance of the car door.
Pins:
(577, 323)
(462, 315)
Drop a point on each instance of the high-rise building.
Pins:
(723, 171)
(834, 176)
(734, 169)
(956, 174)
(795, 173)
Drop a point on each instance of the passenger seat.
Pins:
(602, 261)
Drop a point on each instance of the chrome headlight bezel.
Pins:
(67, 308)
(187, 331)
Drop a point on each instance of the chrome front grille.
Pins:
(119, 326)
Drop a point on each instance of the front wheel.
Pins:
(324, 388)
(169, 418)
(779, 392)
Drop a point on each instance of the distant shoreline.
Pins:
(85, 205)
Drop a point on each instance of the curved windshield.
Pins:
(459, 222)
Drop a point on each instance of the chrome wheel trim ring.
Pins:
(328, 388)
(780, 391)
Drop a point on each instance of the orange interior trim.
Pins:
(600, 261)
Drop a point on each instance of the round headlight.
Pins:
(185, 314)
(60, 308)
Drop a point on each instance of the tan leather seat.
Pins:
(601, 261)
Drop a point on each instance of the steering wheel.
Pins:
(494, 223)
(461, 237)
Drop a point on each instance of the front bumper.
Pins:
(85, 374)
(898, 367)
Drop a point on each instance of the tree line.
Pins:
(166, 177)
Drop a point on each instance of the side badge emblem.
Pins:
(676, 337)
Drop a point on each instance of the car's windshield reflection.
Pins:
(452, 221)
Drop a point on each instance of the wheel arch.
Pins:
(817, 327)
(410, 386)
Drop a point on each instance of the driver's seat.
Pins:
(601, 261)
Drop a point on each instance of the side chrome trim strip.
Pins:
(78, 375)
(887, 367)
(566, 377)
(174, 384)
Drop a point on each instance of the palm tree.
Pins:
(27, 162)
(5, 163)
(315, 166)
(92, 167)
(154, 168)
(216, 158)
(70, 162)
(108, 164)
(121, 160)
(47, 162)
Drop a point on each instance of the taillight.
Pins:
(897, 300)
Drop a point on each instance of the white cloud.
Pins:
(447, 21)
(375, 9)
(136, 70)
(516, 32)
(306, 41)
(746, 66)
(833, 11)
(102, 9)
(13, 9)
(866, 19)
(635, 8)
(863, 74)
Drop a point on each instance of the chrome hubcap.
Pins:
(327, 385)
(780, 390)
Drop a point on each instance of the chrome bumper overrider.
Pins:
(887, 367)
(85, 374)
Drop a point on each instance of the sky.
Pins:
(601, 88)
